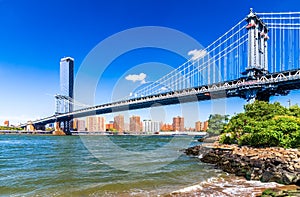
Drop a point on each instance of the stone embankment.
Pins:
(265, 164)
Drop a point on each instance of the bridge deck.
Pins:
(271, 84)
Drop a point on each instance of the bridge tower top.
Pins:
(257, 46)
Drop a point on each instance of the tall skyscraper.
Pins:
(66, 83)
(178, 123)
(119, 123)
(135, 124)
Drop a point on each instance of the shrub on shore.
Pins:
(264, 124)
(216, 123)
(9, 128)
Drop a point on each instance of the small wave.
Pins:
(9, 142)
(225, 186)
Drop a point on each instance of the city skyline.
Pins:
(29, 64)
(134, 124)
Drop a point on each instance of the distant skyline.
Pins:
(134, 123)
(35, 35)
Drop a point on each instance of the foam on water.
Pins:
(225, 186)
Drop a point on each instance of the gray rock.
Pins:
(267, 176)
(288, 178)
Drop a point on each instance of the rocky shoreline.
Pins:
(265, 164)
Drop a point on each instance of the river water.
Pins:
(71, 165)
(65, 165)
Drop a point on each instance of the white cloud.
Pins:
(134, 78)
(197, 53)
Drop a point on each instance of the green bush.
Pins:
(9, 128)
(228, 138)
(245, 139)
(295, 139)
(216, 123)
(263, 124)
(268, 192)
(264, 139)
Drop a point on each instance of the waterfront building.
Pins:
(80, 125)
(109, 126)
(91, 123)
(189, 129)
(166, 127)
(119, 123)
(75, 122)
(101, 123)
(94, 123)
(201, 126)
(151, 126)
(205, 126)
(198, 126)
(135, 124)
(178, 123)
(126, 127)
(66, 84)
(6, 123)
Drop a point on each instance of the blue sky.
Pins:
(34, 35)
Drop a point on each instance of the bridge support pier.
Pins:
(30, 126)
(67, 127)
(62, 127)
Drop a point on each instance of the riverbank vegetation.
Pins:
(9, 128)
(216, 123)
(264, 124)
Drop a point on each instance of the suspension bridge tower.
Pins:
(257, 46)
(257, 64)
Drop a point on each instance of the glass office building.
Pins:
(66, 83)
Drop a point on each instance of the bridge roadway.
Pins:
(262, 88)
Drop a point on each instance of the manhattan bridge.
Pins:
(254, 60)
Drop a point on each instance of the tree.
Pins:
(264, 124)
(216, 123)
(261, 110)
